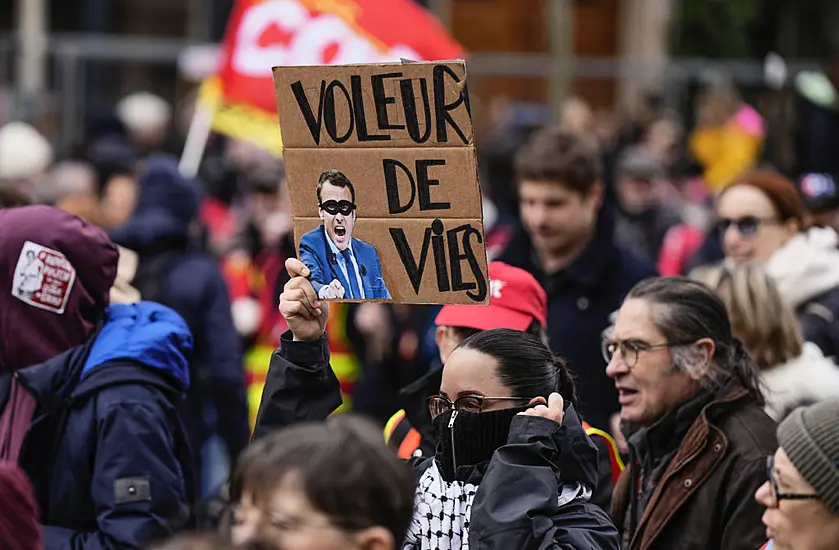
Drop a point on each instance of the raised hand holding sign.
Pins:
(383, 181)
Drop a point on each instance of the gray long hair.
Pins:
(687, 310)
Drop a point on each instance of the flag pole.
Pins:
(197, 136)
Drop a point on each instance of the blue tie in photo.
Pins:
(351, 274)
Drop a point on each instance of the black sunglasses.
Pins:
(747, 226)
(335, 207)
(777, 495)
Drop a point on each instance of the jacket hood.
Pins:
(807, 266)
(143, 342)
(147, 333)
(56, 271)
(809, 378)
(166, 205)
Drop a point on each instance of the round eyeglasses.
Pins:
(631, 349)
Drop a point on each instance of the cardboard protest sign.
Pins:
(383, 180)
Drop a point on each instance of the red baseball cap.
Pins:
(516, 299)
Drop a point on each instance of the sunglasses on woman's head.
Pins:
(747, 226)
(337, 207)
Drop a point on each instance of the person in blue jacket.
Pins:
(88, 390)
(342, 266)
(173, 271)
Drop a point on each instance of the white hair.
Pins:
(24, 152)
(143, 111)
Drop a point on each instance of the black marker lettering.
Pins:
(481, 294)
(441, 108)
(329, 112)
(438, 245)
(423, 184)
(409, 104)
(382, 101)
(360, 114)
(313, 123)
(389, 167)
(414, 271)
(456, 257)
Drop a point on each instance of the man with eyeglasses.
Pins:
(341, 265)
(691, 409)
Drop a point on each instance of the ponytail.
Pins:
(744, 368)
(565, 381)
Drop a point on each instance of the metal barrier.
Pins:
(73, 57)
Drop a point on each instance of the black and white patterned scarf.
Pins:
(442, 511)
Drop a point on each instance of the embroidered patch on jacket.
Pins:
(132, 489)
(43, 278)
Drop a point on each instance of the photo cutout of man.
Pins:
(342, 267)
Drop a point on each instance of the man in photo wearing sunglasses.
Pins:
(691, 409)
(341, 266)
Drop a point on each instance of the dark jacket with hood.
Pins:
(106, 450)
(171, 272)
(692, 476)
(532, 494)
(581, 298)
(414, 398)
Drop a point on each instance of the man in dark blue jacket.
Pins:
(566, 242)
(89, 392)
(172, 272)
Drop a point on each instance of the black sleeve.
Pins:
(518, 504)
(300, 386)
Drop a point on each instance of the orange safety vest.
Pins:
(411, 441)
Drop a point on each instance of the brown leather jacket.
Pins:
(705, 499)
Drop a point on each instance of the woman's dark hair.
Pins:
(345, 470)
(535, 328)
(686, 311)
(525, 364)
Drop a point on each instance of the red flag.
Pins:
(265, 33)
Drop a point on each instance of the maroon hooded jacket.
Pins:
(56, 271)
(19, 528)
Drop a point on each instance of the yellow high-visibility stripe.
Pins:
(392, 423)
(612, 444)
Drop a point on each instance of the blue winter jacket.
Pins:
(106, 449)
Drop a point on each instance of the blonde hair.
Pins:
(764, 322)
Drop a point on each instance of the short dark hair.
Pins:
(525, 364)
(688, 311)
(345, 469)
(556, 155)
(336, 178)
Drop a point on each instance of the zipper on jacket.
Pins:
(451, 434)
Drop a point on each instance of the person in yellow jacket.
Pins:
(728, 138)
(517, 301)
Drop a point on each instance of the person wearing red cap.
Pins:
(517, 301)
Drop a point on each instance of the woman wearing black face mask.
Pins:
(514, 468)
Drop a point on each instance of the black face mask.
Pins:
(467, 438)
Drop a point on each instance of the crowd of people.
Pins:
(657, 367)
